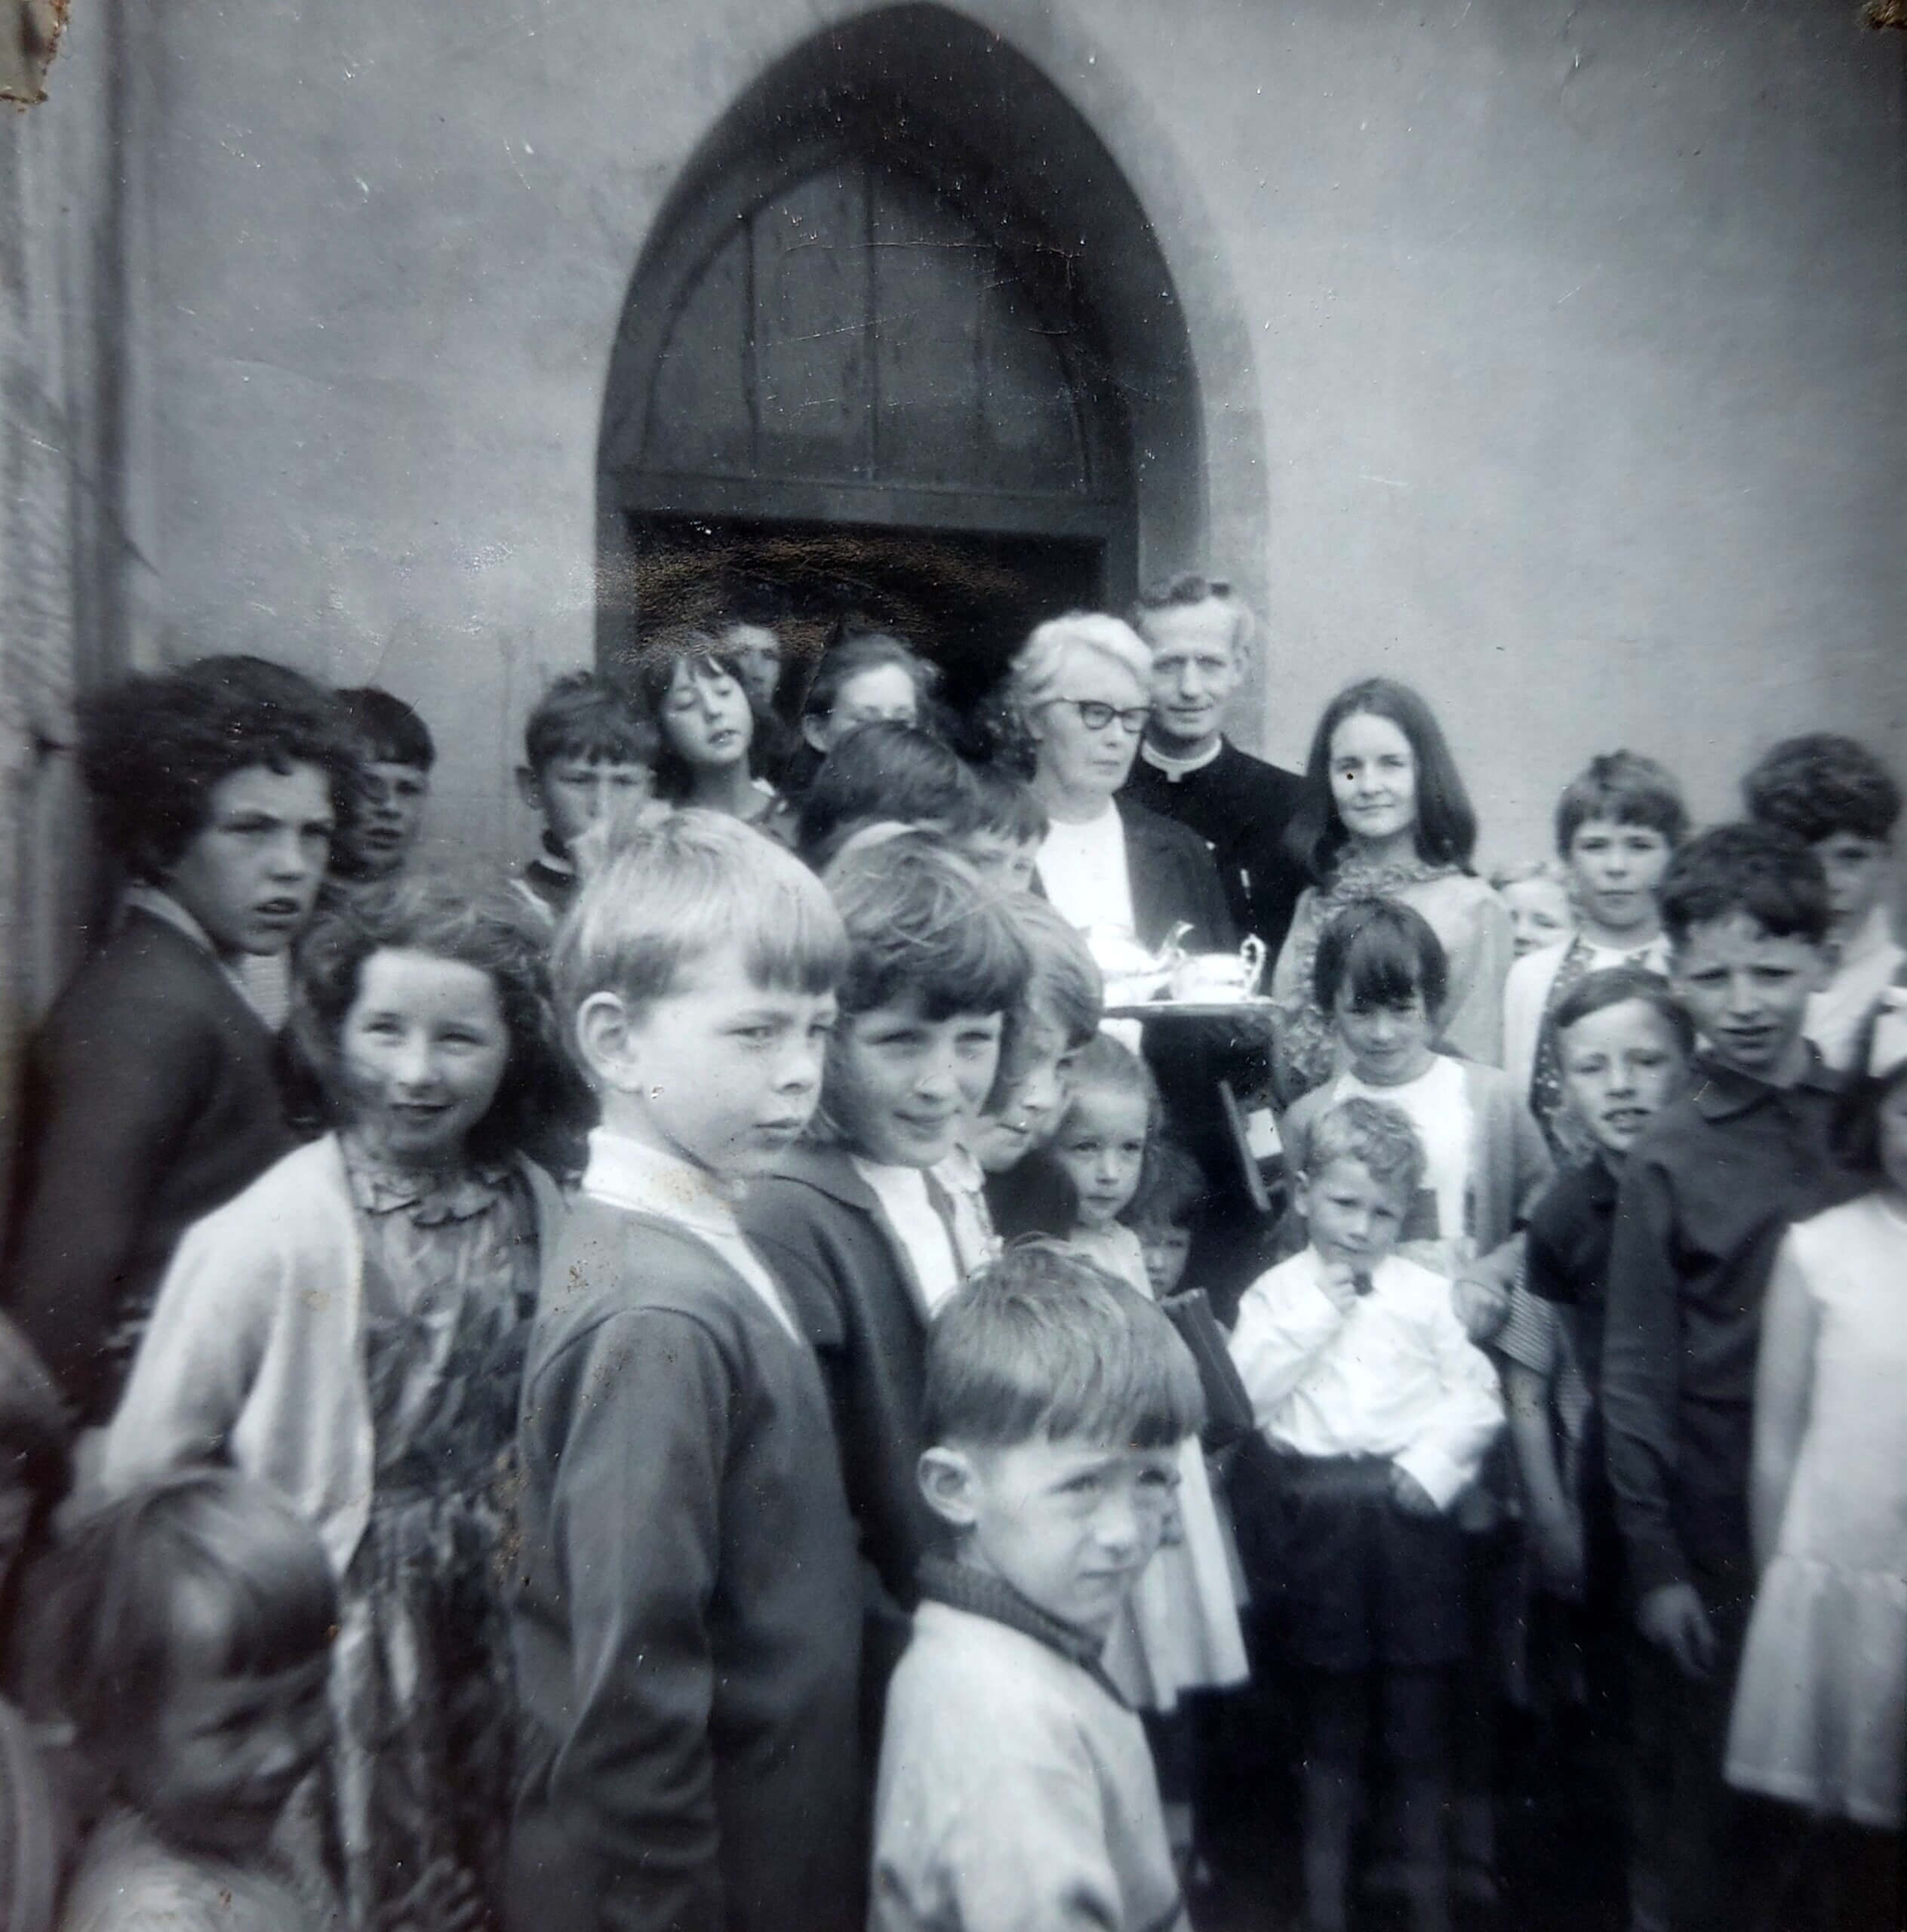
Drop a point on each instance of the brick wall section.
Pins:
(65, 551)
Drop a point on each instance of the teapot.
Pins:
(1220, 976)
(1133, 973)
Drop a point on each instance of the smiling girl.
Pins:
(1384, 815)
(351, 1329)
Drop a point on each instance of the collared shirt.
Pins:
(926, 1236)
(626, 1173)
(1395, 1377)
(1177, 768)
(975, 1241)
(548, 882)
(1836, 1015)
(1242, 807)
(1706, 1198)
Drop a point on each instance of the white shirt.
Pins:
(1396, 1377)
(1438, 1104)
(925, 1239)
(642, 1180)
(1083, 868)
(1839, 1012)
(975, 1240)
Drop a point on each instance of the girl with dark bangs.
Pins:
(708, 725)
(1384, 814)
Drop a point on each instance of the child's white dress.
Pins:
(1180, 1629)
(1821, 1703)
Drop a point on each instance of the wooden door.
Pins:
(868, 397)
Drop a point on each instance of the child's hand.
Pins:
(445, 1898)
(1340, 1281)
(1558, 1537)
(1672, 1616)
(1482, 1306)
(1410, 1495)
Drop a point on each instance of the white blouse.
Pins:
(1083, 869)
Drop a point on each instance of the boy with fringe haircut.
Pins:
(855, 1222)
(1836, 797)
(687, 1626)
(1618, 824)
(588, 750)
(1016, 1787)
(1011, 826)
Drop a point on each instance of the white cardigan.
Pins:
(255, 1351)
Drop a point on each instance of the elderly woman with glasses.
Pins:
(1081, 686)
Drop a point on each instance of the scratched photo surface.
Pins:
(670, 675)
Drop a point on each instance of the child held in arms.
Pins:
(1058, 1400)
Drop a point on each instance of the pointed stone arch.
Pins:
(903, 286)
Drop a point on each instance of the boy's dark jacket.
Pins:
(149, 1097)
(688, 1627)
(818, 1225)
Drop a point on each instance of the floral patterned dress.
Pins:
(422, 1687)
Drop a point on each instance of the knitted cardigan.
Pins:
(255, 1350)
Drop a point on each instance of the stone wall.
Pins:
(74, 587)
(1547, 350)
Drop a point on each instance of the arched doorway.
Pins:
(870, 361)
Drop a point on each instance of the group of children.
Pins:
(661, 1396)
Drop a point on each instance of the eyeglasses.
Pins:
(1096, 715)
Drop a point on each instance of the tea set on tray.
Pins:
(1171, 977)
